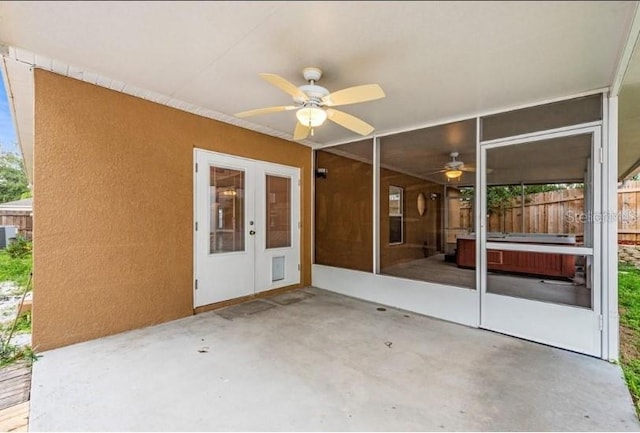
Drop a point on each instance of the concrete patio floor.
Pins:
(315, 360)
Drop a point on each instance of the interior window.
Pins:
(396, 206)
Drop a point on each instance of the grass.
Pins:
(11, 353)
(24, 323)
(15, 269)
(629, 306)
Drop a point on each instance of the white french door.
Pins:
(544, 284)
(247, 227)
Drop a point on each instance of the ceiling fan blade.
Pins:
(354, 95)
(265, 110)
(436, 172)
(472, 169)
(350, 122)
(301, 132)
(284, 85)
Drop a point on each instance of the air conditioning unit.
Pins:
(6, 233)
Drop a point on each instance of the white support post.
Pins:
(445, 218)
(522, 207)
(376, 205)
(610, 333)
(480, 206)
(312, 180)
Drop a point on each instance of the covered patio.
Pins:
(313, 360)
(202, 271)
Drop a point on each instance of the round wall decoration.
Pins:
(422, 204)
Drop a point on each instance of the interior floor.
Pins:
(436, 270)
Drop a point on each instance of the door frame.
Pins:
(258, 167)
(557, 313)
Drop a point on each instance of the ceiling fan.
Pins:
(313, 103)
(453, 169)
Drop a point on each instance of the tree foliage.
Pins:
(13, 180)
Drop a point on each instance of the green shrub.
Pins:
(17, 270)
(19, 248)
(10, 353)
(23, 324)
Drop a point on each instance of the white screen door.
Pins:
(247, 231)
(540, 271)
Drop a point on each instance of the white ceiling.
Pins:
(629, 118)
(435, 60)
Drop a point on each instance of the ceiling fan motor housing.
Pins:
(312, 74)
(314, 92)
(454, 164)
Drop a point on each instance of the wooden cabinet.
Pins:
(521, 262)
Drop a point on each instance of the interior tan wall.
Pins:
(417, 229)
(344, 209)
(343, 220)
(113, 209)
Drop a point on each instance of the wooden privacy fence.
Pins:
(629, 213)
(18, 213)
(561, 212)
(22, 220)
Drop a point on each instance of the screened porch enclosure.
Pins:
(506, 205)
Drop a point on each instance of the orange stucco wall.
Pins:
(113, 209)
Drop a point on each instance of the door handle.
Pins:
(252, 232)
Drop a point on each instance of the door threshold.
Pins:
(240, 300)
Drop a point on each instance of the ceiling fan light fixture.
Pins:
(311, 116)
(453, 174)
(229, 192)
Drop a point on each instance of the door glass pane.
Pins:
(278, 212)
(541, 192)
(226, 210)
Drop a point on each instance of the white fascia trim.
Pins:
(92, 77)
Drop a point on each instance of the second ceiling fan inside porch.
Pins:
(313, 103)
(455, 168)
